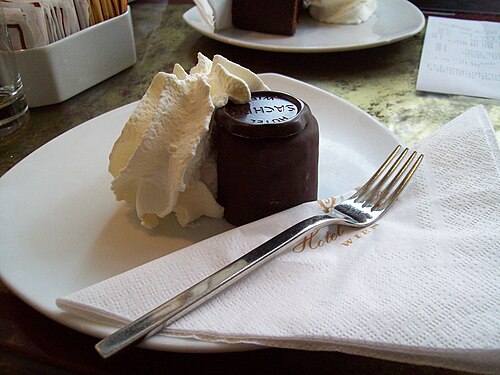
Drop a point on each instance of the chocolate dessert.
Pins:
(267, 156)
(272, 17)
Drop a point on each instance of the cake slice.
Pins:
(272, 17)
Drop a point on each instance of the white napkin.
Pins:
(421, 286)
(217, 13)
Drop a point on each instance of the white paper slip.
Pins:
(461, 57)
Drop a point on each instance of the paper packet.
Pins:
(36, 23)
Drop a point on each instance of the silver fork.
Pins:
(361, 209)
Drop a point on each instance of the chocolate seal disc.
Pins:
(268, 114)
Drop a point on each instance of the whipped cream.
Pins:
(342, 11)
(162, 160)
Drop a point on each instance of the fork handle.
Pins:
(168, 312)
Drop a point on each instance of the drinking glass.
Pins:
(13, 105)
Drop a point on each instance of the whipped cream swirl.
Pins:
(342, 11)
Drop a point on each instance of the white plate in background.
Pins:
(393, 20)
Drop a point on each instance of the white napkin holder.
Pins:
(63, 69)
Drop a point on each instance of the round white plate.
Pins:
(393, 20)
(62, 230)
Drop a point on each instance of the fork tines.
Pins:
(385, 191)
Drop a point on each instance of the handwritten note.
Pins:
(461, 57)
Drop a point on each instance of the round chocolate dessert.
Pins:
(267, 156)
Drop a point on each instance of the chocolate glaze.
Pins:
(267, 160)
(273, 17)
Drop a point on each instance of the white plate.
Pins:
(61, 228)
(393, 20)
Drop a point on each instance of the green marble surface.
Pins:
(380, 81)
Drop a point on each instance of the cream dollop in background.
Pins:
(162, 161)
(342, 11)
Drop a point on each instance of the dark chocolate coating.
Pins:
(258, 177)
(267, 16)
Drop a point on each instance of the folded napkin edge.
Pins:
(94, 315)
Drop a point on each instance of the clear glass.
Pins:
(13, 105)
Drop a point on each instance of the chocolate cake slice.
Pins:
(266, 16)
(267, 156)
